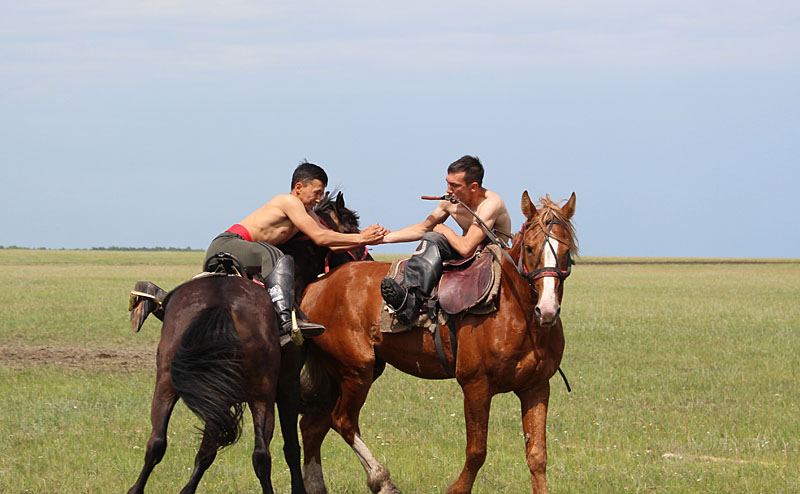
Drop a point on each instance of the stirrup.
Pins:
(301, 330)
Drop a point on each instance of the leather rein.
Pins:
(545, 272)
(330, 252)
(561, 274)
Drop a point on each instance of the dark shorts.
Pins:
(440, 241)
(252, 254)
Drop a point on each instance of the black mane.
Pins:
(333, 202)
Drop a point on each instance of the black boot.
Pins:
(280, 284)
(421, 275)
(405, 301)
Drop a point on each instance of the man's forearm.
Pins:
(407, 234)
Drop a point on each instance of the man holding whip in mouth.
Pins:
(476, 210)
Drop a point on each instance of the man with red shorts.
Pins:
(252, 241)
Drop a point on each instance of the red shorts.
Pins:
(241, 231)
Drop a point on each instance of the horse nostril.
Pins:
(538, 312)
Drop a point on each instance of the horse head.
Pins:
(547, 246)
(334, 214)
(313, 260)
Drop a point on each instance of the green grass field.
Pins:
(684, 380)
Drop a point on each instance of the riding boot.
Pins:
(421, 275)
(280, 284)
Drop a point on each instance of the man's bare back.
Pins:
(285, 215)
(271, 224)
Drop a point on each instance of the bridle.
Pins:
(561, 274)
(330, 252)
(546, 272)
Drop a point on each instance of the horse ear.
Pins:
(569, 208)
(528, 209)
(339, 201)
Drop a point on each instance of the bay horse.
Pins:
(219, 348)
(517, 348)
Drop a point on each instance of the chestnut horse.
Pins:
(219, 348)
(517, 348)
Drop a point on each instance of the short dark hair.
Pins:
(471, 166)
(306, 172)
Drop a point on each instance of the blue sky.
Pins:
(161, 123)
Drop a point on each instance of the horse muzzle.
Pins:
(547, 315)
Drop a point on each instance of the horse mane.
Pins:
(348, 219)
(548, 211)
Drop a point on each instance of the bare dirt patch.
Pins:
(77, 357)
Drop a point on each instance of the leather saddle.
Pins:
(465, 283)
(227, 263)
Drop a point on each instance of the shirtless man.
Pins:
(253, 240)
(440, 242)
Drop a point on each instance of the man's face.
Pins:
(309, 193)
(457, 186)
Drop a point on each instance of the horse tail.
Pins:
(207, 373)
(318, 390)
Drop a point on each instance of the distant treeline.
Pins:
(113, 247)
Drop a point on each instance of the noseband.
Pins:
(546, 272)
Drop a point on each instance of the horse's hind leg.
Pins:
(534, 418)
(203, 460)
(164, 399)
(264, 427)
(288, 411)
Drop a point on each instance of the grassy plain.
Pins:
(684, 380)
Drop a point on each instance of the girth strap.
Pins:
(437, 340)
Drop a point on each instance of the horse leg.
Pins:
(288, 400)
(164, 399)
(205, 456)
(477, 402)
(345, 422)
(534, 417)
(264, 426)
(314, 427)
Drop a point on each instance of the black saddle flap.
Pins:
(225, 262)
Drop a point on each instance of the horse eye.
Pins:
(529, 249)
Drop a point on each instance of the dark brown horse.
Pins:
(219, 348)
(517, 348)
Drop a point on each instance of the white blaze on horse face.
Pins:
(548, 300)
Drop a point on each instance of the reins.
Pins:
(561, 274)
(520, 266)
(330, 252)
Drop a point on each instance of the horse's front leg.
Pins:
(345, 422)
(314, 426)
(264, 426)
(534, 418)
(477, 402)
(204, 458)
(164, 399)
